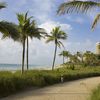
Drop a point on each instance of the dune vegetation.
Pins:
(96, 94)
(15, 82)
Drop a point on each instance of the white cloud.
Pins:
(41, 9)
(78, 20)
(49, 25)
(39, 52)
(80, 46)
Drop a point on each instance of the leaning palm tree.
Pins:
(80, 7)
(55, 36)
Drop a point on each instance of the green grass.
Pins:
(14, 82)
(96, 94)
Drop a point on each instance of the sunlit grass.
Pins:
(13, 82)
(96, 94)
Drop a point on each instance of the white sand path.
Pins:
(75, 90)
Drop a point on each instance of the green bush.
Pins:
(96, 94)
(13, 82)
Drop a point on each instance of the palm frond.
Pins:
(60, 44)
(3, 5)
(9, 29)
(21, 18)
(96, 21)
(77, 6)
(50, 39)
(65, 53)
(62, 35)
(56, 36)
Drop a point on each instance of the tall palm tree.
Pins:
(80, 7)
(55, 36)
(28, 29)
(64, 54)
(33, 32)
(22, 30)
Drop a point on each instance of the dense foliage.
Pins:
(96, 94)
(14, 82)
(87, 58)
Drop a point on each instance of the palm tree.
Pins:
(21, 32)
(17, 32)
(55, 36)
(89, 57)
(33, 32)
(28, 29)
(74, 59)
(80, 7)
(64, 54)
(2, 5)
(79, 56)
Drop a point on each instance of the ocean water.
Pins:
(8, 67)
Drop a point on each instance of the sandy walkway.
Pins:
(76, 90)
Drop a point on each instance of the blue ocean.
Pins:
(9, 67)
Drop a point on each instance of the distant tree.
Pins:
(65, 54)
(55, 36)
(90, 58)
(74, 59)
(79, 56)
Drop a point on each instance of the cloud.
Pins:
(80, 46)
(39, 52)
(49, 25)
(42, 9)
(78, 20)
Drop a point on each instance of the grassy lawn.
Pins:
(96, 94)
(14, 82)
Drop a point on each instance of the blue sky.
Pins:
(77, 26)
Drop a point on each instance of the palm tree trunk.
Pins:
(54, 56)
(82, 60)
(63, 60)
(23, 56)
(27, 54)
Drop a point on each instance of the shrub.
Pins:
(14, 82)
(96, 94)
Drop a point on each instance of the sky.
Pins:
(77, 27)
